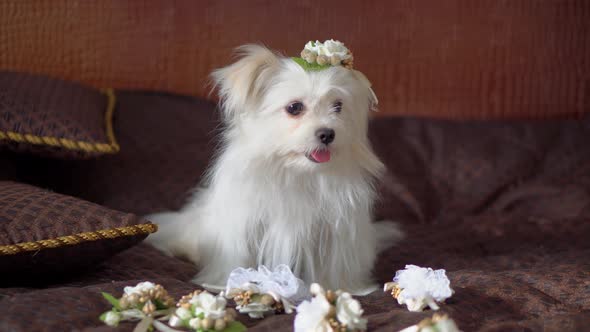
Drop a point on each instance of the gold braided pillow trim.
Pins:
(110, 147)
(67, 240)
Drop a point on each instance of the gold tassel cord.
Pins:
(111, 147)
(61, 241)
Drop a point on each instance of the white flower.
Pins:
(179, 317)
(141, 287)
(255, 309)
(311, 315)
(413, 328)
(334, 47)
(437, 324)
(313, 47)
(280, 281)
(195, 323)
(112, 318)
(349, 312)
(422, 287)
(329, 48)
(174, 321)
(446, 325)
(209, 305)
(418, 304)
(316, 289)
(183, 313)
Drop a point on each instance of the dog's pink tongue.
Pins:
(321, 156)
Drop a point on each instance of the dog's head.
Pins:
(308, 120)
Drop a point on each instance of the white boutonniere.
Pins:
(146, 302)
(419, 287)
(202, 311)
(329, 311)
(317, 55)
(263, 292)
(151, 305)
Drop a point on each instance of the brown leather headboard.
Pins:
(451, 58)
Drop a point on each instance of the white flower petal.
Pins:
(195, 323)
(329, 48)
(421, 286)
(444, 324)
(183, 313)
(311, 315)
(255, 310)
(349, 312)
(281, 282)
(447, 325)
(209, 305)
(142, 286)
(316, 289)
(112, 318)
(174, 321)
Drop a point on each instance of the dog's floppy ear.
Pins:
(242, 84)
(373, 101)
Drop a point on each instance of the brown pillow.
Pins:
(55, 118)
(166, 144)
(42, 231)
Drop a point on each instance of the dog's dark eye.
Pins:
(337, 107)
(295, 108)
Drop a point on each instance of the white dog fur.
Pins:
(264, 201)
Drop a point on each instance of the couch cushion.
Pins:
(503, 206)
(45, 232)
(437, 170)
(166, 143)
(54, 118)
(446, 170)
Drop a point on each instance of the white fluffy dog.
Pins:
(293, 181)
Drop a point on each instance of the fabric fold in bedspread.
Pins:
(504, 207)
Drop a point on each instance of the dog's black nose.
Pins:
(326, 135)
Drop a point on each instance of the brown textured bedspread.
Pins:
(503, 206)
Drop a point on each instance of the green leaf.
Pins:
(160, 305)
(235, 326)
(201, 315)
(112, 300)
(185, 323)
(310, 66)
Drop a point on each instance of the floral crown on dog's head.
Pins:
(318, 56)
